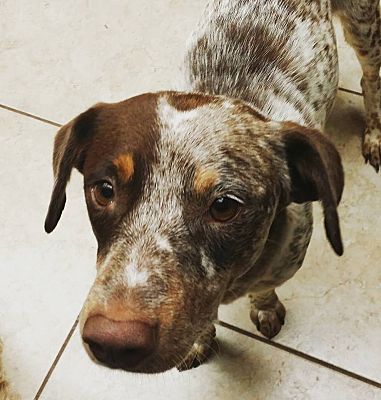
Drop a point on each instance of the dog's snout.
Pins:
(119, 344)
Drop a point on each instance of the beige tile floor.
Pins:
(57, 58)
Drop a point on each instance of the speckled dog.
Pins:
(201, 196)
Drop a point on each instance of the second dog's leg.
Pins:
(267, 312)
(361, 23)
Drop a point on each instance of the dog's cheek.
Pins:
(235, 253)
(103, 226)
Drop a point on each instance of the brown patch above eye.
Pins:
(205, 179)
(125, 166)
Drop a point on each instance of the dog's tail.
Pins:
(6, 392)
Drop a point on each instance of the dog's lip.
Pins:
(144, 367)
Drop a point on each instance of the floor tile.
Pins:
(44, 278)
(350, 69)
(333, 303)
(244, 369)
(80, 53)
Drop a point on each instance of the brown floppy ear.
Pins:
(316, 173)
(69, 149)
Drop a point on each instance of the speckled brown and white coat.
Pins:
(244, 131)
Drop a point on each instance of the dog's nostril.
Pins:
(119, 344)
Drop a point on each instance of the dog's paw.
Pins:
(269, 321)
(371, 148)
(201, 351)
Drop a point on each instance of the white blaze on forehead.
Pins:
(134, 276)
(187, 127)
(180, 131)
(176, 119)
(186, 131)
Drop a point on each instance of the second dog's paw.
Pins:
(269, 321)
(200, 352)
(371, 148)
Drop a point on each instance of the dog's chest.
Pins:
(279, 55)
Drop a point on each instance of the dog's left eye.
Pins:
(103, 193)
(224, 209)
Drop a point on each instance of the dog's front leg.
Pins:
(361, 22)
(267, 312)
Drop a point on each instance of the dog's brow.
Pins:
(205, 179)
(107, 170)
(125, 166)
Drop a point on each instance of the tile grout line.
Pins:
(301, 354)
(350, 91)
(233, 328)
(56, 360)
(25, 114)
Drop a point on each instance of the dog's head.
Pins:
(181, 191)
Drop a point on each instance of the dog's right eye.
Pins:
(103, 193)
(225, 208)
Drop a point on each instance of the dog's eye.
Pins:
(224, 209)
(103, 193)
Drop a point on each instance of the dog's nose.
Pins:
(119, 344)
